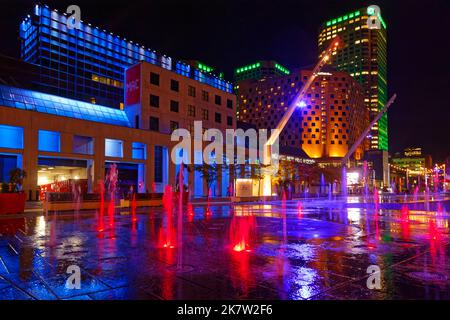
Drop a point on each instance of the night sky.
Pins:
(227, 34)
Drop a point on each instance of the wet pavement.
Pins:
(306, 249)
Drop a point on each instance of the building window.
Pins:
(174, 85)
(154, 78)
(191, 91)
(158, 173)
(205, 95)
(173, 126)
(205, 114)
(113, 148)
(11, 137)
(218, 117)
(154, 101)
(83, 145)
(174, 106)
(49, 141)
(191, 111)
(229, 104)
(154, 124)
(230, 121)
(139, 151)
(218, 100)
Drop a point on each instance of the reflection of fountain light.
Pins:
(40, 225)
(241, 246)
(354, 215)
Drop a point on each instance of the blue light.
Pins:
(11, 137)
(113, 148)
(301, 104)
(47, 103)
(49, 141)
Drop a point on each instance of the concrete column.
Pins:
(30, 161)
(99, 159)
(150, 168)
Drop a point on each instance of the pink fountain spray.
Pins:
(133, 208)
(416, 193)
(376, 199)
(300, 210)
(100, 227)
(405, 224)
(112, 179)
(242, 231)
(167, 236)
(180, 219)
(283, 213)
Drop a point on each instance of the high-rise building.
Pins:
(88, 63)
(259, 70)
(364, 57)
(329, 120)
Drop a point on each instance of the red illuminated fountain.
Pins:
(208, 212)
(112, 178)
(167, 234)
(405, 222)
(100, 227)
(299, 210)
(242, 232)
(283, 213)
(133, 208)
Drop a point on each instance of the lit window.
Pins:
(11, 137)
(113, 148)
(49, 141)
(139, 151)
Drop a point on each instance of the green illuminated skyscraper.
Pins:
(364, 56)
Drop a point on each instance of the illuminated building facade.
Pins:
(88, 63)
(413, 160)
(59, 141)
(364, 57)
(259, 70)
(330, 119)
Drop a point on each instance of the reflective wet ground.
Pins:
(321, 250)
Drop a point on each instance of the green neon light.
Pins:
(344, 18)
(382, 21)
(370, 11)
(204, 67)
(248, 68)
(282, 69)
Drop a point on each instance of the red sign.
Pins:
(133, 85)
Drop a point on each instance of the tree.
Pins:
(208, 172)
(16, 177)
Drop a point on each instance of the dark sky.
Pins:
(230, 33)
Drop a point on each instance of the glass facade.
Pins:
(88, 63)
(47, 103)
(364, 57)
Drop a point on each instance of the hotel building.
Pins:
(88, 63)
(330, 119)
(364, 57)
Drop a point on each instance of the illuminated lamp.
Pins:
(301, 104)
